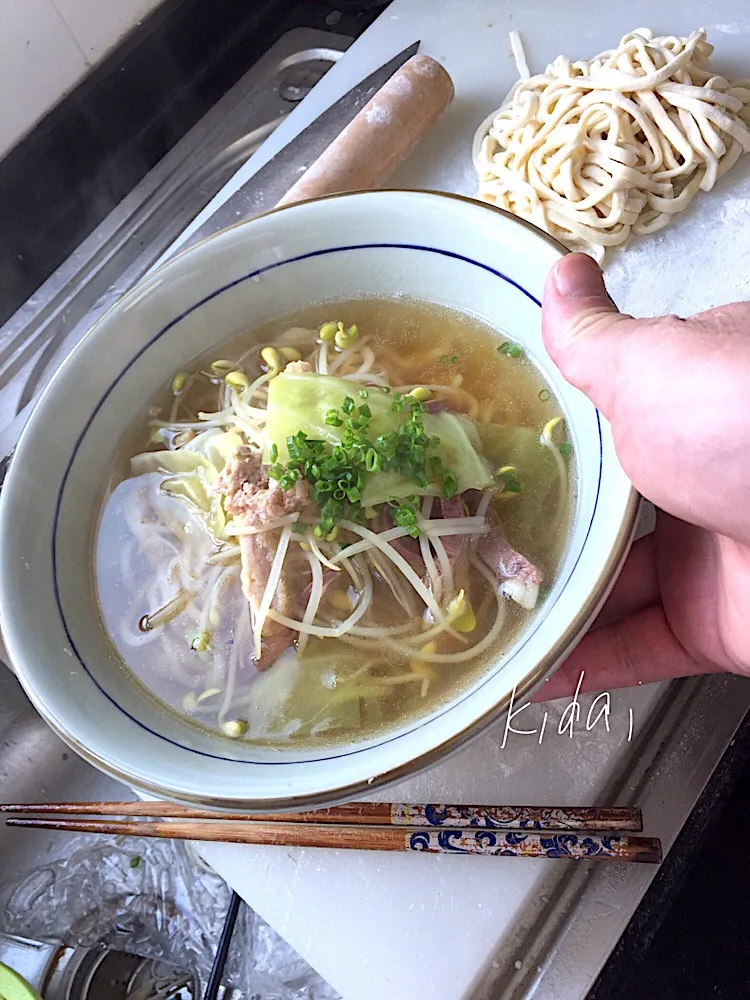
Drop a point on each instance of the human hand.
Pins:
(677, 394)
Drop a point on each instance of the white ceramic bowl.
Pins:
(440, 248)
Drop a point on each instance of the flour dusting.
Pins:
(378, 114)
(733, 28)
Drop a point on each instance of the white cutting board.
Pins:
(382, 926)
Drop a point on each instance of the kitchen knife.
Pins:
(266, 188)
(263, 190)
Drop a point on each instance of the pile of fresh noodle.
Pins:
(598, 150)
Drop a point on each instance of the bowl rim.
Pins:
(599, 588)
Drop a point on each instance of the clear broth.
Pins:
(310, 700)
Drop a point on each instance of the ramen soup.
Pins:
(335, 524)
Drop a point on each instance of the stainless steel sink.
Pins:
(34, 764)
(129, 241)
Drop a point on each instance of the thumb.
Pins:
(582, 327)
(674, 392)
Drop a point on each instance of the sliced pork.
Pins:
(520, 577)
(457, 547)
(254, 501)
(257, 554)
(270, 504)
(241, 478)
(329, 579)
(251, 496)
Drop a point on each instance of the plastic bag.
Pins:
(157, 899)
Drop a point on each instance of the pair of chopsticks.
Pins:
(572, 832)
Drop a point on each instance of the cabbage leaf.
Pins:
(299, 401)
(190, 474)
(533, 521)
(520, 447)
(215, 445)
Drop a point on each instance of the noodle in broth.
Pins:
(329, 528)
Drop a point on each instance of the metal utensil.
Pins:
(262, 192)
(266, 188)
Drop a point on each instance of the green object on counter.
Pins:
(12, 987)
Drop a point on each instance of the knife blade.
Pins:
(265, 188)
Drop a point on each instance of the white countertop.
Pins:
(400, 926)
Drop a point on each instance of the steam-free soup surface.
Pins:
(331, 526)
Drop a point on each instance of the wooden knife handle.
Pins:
(382, 135)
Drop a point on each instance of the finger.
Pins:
(636, 650)
(575, 292)
(637, 586)
(704, 580)
(582, 327)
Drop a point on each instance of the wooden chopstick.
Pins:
(399, 814)
(444, 840)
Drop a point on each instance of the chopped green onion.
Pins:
(363, 393)
(299, 528)
(386, 389)
(544, 395)
(450, 485)
(337, 473)
(274, 453)
(289, 478)
(136, 862)
(405, 516)
(565, 448)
